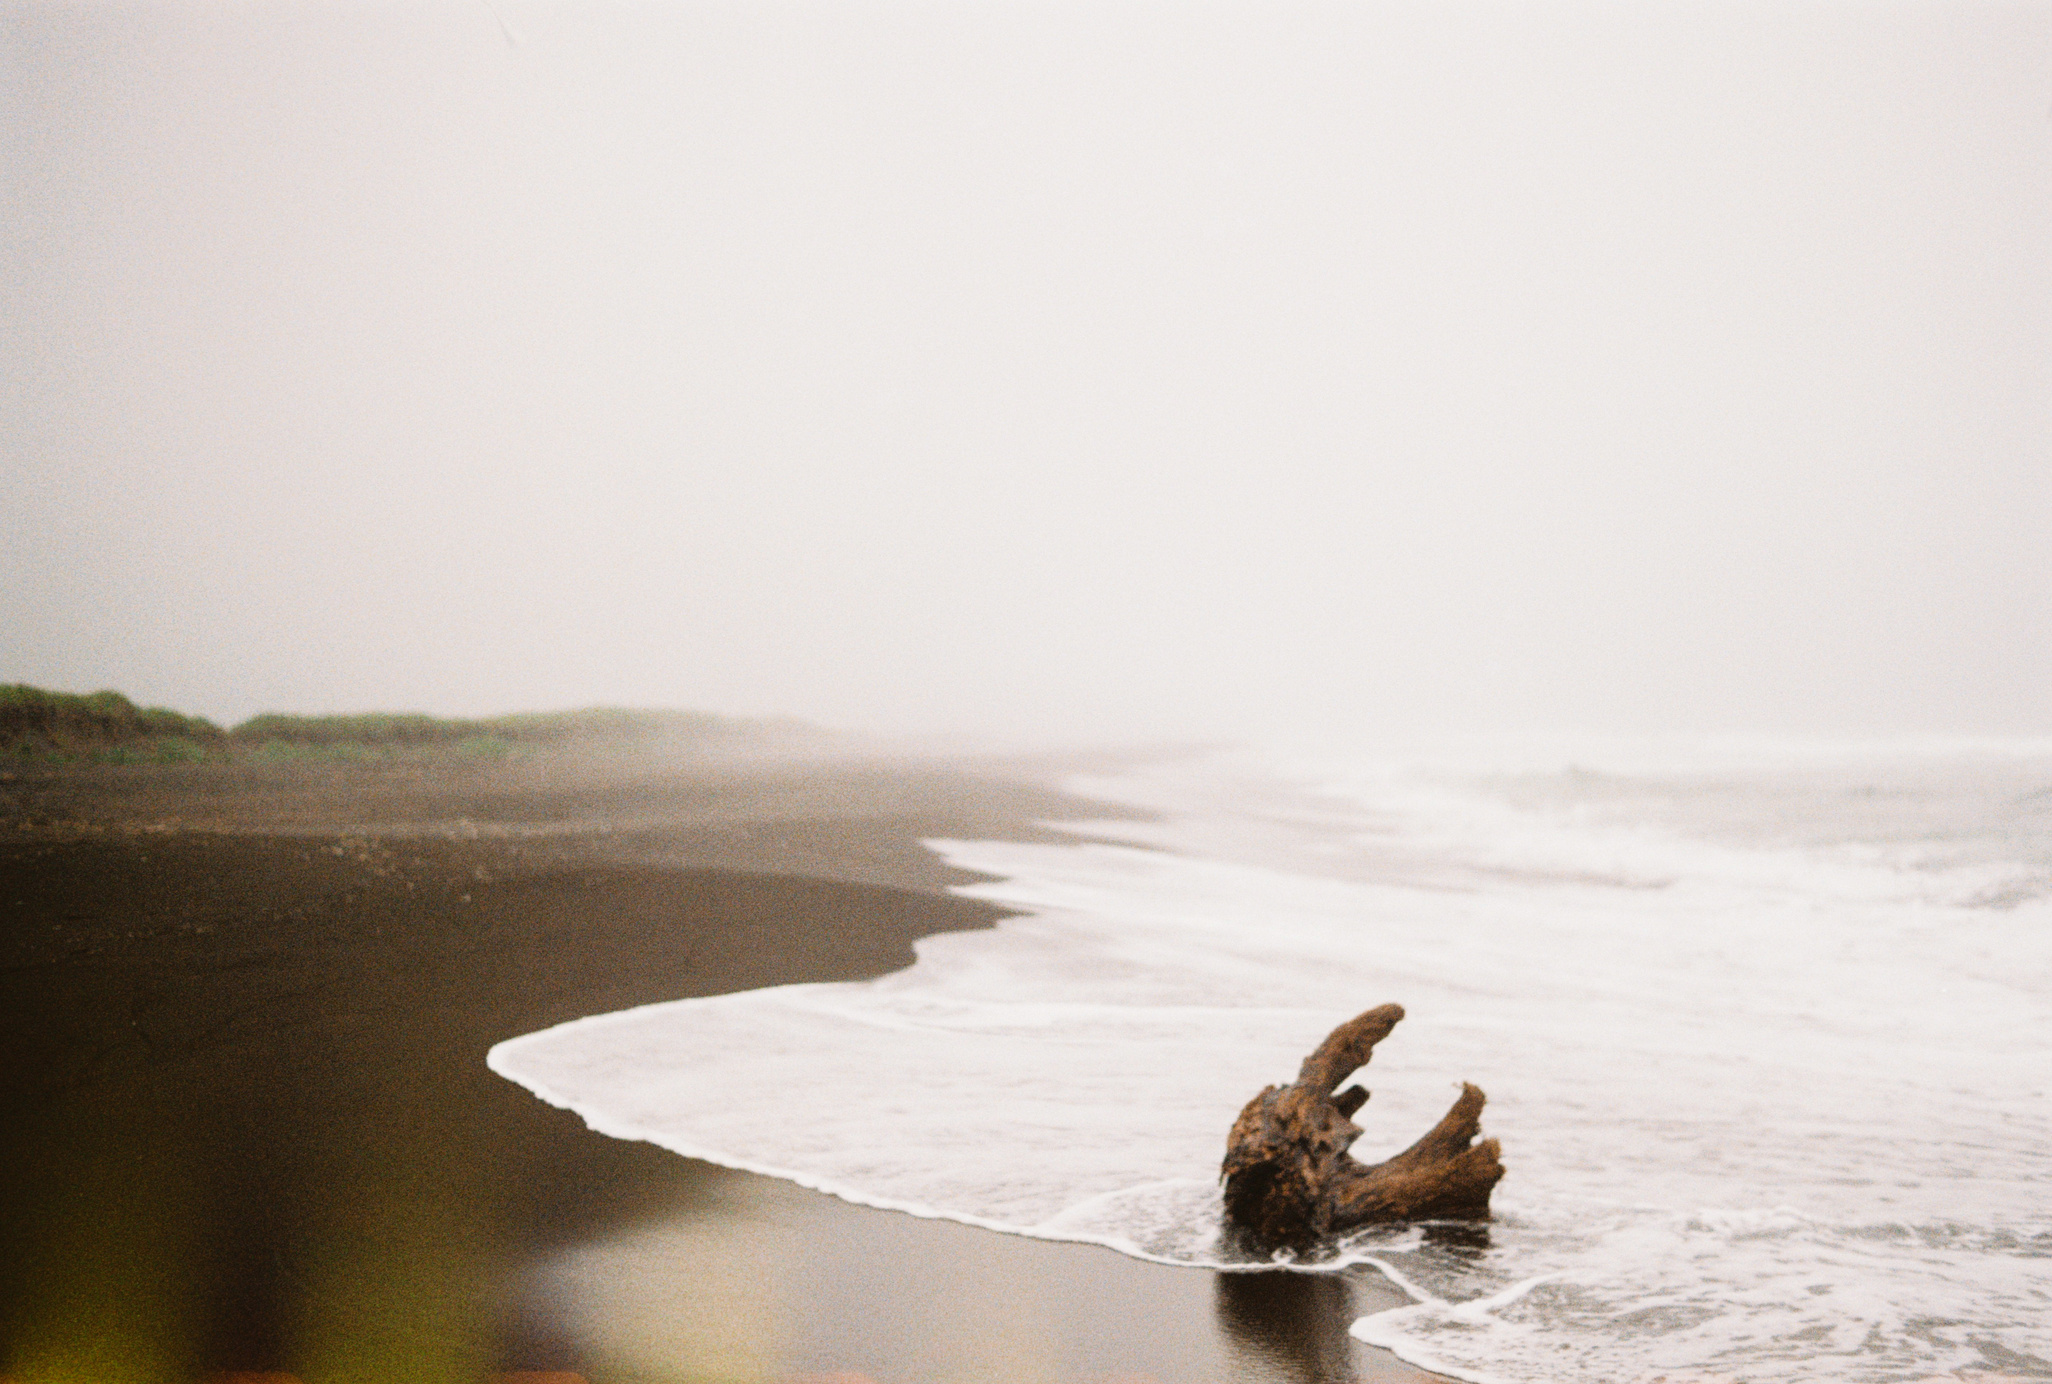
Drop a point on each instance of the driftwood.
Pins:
(1290, 1183)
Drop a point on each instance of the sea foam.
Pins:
(1764, 1028)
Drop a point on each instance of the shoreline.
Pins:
(246, 1032)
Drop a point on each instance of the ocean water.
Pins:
(1766, 1031)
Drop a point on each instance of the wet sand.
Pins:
(245, 1122)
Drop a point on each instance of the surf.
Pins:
(1763, 1028)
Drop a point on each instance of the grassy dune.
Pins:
(37, 724)
(106, 727)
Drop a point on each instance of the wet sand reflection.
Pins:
(246, 1129)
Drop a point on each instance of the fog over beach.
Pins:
(1152, 529)
(1066, 370)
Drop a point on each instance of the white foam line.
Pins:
(621, 1129)
(598, 1122)
(1403, 1349)
(1418, 1296)
(1474, 1308)
(620, 1016)
(1432, 1364)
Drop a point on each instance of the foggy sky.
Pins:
(1069, 370)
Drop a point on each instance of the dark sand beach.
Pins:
(248, 1124)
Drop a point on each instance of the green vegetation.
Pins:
(383, 735)
(390, 728)
(99, 726)
(105, 727)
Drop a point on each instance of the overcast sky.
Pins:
(1075, 370)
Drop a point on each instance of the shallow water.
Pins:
(1767, 1032)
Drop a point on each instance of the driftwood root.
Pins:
(1290, 1182)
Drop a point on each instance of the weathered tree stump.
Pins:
(1290, 1183)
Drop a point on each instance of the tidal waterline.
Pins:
(248, 1123)
(1763, 1027)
